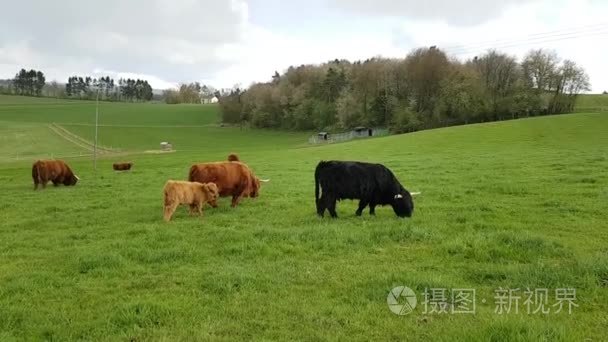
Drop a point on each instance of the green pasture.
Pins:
(46, 110)
(592, 103)
(514, 205)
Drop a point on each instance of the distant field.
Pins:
(516, 204)
(6, 100)
(27, 141)
(130, 127)
(189, 138)
(592, 103)
(42, 110)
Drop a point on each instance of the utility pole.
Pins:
(96, 124)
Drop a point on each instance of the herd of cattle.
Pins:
(372, 184)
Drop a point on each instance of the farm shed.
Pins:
(357, 132)
(362, 131)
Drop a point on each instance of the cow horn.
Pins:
(398, 196)
(265, 180)
(77, 177)
(415, 193)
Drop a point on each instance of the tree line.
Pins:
(426, 89)
(33, 83)
(29, 83)
(190, 93)
(127, 89)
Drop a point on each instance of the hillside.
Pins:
(592, 103)
(46, 110)
(126, 127)
(515, 204)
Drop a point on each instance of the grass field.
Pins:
(45, 110)
(517, 204)
(592, 103)
(27, 141)
(129, 127)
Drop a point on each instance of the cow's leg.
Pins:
(192, 209)
(321, 206)
(331, 206)
(43, 184)
(35, 185)
(200, 208)
(372, 208)
(55, 183)
(236, 199)
(169, 210)
(362, 205)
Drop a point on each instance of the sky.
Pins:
(237, 42)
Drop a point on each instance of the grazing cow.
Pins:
(232, 178)
(122, 166)
(371, 184)
(56, 171)
(233, 157)
(194, 194)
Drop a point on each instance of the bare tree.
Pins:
(426, 68)
(499, 74)
(539, 69)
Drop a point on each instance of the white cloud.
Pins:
(531, 26)
(155, 81)
(461, 12)
(174, 40)
(218, 42)
(262, 52)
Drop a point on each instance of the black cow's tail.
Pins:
(317, 184)
(317, 172)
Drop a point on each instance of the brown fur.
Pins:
(122, 166)
(232, 178)
(56, 171)
(233, 157)
(194, 194)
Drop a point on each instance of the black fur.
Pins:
(371, 184)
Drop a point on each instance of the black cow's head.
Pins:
(403, 204)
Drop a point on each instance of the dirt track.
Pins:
(77, 140)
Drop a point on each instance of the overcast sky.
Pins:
(228, 42)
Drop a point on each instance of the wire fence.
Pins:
(328, 138)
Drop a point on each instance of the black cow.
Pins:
(371, 184)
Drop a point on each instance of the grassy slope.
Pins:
(189, 138)
(512, 204)
(27, 141)
(42, 110)
(592, 103)
(29, 100)
(126, 126)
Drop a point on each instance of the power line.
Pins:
(572, 30)
(524, 42)
(531, 40)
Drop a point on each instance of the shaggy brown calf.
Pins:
(122, 166)
(193, 194)
(56, 171)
